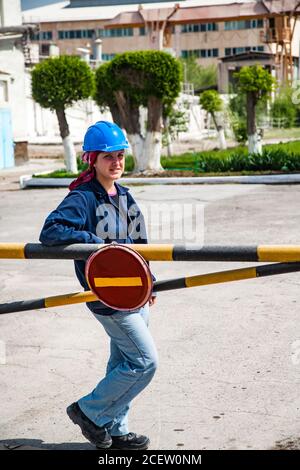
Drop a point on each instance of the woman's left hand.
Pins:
(152, 300)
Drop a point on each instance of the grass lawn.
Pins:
(283, 157)
(292, 133)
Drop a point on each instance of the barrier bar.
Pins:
(158, 252)
(159, 286)
(226, 276)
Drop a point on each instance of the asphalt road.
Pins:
(229, 370)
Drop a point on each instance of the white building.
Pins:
(13, 118)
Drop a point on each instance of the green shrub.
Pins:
(279, 157)
(59, 82)
(283, 110)
(239, 128)
(199, 76)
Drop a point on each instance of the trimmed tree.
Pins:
(257, 83)
(58, 83)
(212, 103)
(103, 93)
(149, 79)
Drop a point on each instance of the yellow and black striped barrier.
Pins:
(159, 286)
(158, 252)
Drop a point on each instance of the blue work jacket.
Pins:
(89, 215)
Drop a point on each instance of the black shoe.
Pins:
(95, 434)
(130, 441)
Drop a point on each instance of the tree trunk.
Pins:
(69, 149)
(152, 150)
(222, 139)
(114, 111)
(137, 143)
(166, 122)
(254, 141)
(221, 133)
(146, 151)
(254, 144)
(136, 140)
(129, 118)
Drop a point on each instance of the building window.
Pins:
(115, 33)
(201, 27)
(239, 50)
(43, 36)
(202, 53)
(243, 24)
(76, 34)
(143, 31)
(45, 49)
(106, 57)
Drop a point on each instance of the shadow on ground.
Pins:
(290, 443)
(38, 444)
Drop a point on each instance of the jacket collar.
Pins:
(98, 188)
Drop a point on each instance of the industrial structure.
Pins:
(100, 29)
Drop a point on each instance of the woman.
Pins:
(98, 210)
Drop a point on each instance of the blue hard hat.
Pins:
(104, 136)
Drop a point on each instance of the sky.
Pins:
(28, 4)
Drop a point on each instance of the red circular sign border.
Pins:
(144, 265)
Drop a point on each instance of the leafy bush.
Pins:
(58, 82)
(283, 110)
(139, 75)
(237, 107)
(201, 77)
(239, 128)
(176, 122)
(279, 158)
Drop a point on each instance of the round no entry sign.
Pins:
(119, 277)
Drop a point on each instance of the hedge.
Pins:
(279, 157)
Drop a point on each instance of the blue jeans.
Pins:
(131, 366)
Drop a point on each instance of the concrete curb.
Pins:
(27, 181)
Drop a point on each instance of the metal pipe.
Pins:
(159, 286)
(158, 252)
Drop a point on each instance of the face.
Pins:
(110, 166)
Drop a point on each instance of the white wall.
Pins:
(10, 12)
(12, 63)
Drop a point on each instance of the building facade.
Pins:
(208, 32)
(226, 35)
(13, 119)
(207, 40)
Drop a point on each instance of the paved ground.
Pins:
(9, 178)
(229, 370)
